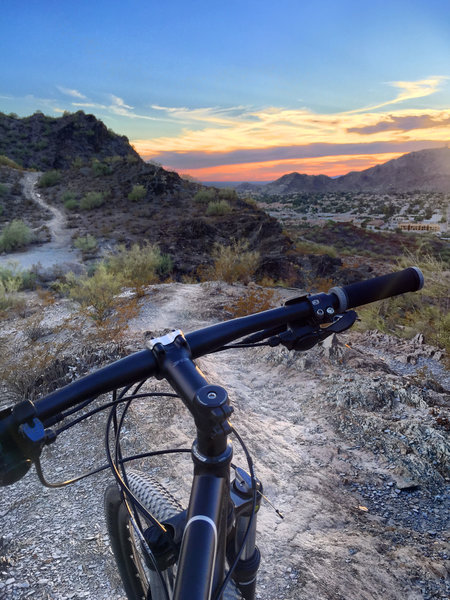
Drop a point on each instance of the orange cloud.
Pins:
(332, 166)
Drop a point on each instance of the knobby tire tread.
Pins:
(160, 503)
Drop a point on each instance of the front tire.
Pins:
(139, 581)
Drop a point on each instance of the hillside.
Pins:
(43, 142)
(91, 175)
(425, 170)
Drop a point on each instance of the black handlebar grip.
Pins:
(378, 288)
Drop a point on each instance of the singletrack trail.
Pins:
(56, 252)
(349, 532)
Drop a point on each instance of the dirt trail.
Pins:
(56, 252)
(348, 533)
(61, 237)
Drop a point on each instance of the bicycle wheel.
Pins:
(139, 581)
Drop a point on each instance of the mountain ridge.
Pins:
(423, 170)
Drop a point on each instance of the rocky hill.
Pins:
(43, 142)
(425, 170)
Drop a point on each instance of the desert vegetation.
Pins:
(15, 235)
(426, 312)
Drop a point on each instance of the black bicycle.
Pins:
(162, 550)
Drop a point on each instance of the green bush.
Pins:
(139, 266)
(8, 295)
(227, 194)
(49, 178)
(97, 293)
(205, 196)
(71, 204)
(14, 279)
(69, 198)
(15, 235)
(218, 208)
(86, 244)
(92, 200)
(3, 189)
(100, 168)
(137, 193)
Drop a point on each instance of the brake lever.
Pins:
(305, 337)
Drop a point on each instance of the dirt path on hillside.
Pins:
(352, 529)
(59, 250)
(60, 236)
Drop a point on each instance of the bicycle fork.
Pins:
(241, 493)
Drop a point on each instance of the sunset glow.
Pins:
(239, 91)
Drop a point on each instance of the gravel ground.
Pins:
(348, 450)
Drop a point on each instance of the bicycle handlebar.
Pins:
(18, 446)
(378, 288)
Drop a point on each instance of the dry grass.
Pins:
(234, 262)
(253, 299)
(426, 311)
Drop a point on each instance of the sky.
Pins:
(238, 90)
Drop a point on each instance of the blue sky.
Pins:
(239, 90)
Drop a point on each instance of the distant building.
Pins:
(433, 227)
(375, 224)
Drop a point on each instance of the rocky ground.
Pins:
(350, 441)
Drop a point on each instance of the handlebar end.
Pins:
(420, 276)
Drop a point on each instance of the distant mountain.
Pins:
(45, 143)
(425, 170)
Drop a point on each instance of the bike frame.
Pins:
(203, 552)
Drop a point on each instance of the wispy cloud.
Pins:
(70, 92)
(410, 90)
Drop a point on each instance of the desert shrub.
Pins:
(86, 244)
(235, 262)
(218, 208)
(100, 168)
(308, 247)
(95, 293)
(101, 303)
(68, 195)
(15, 235)
(205, 196)
(71, 204)
(3, 189)
(77, 162)
(253, 299)
(227, 194)
(69, 199)
(8, 293)
(139, 266)
(49, 178)
(8, 162)
(92, 200)
(137, 193)
(13, 277)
